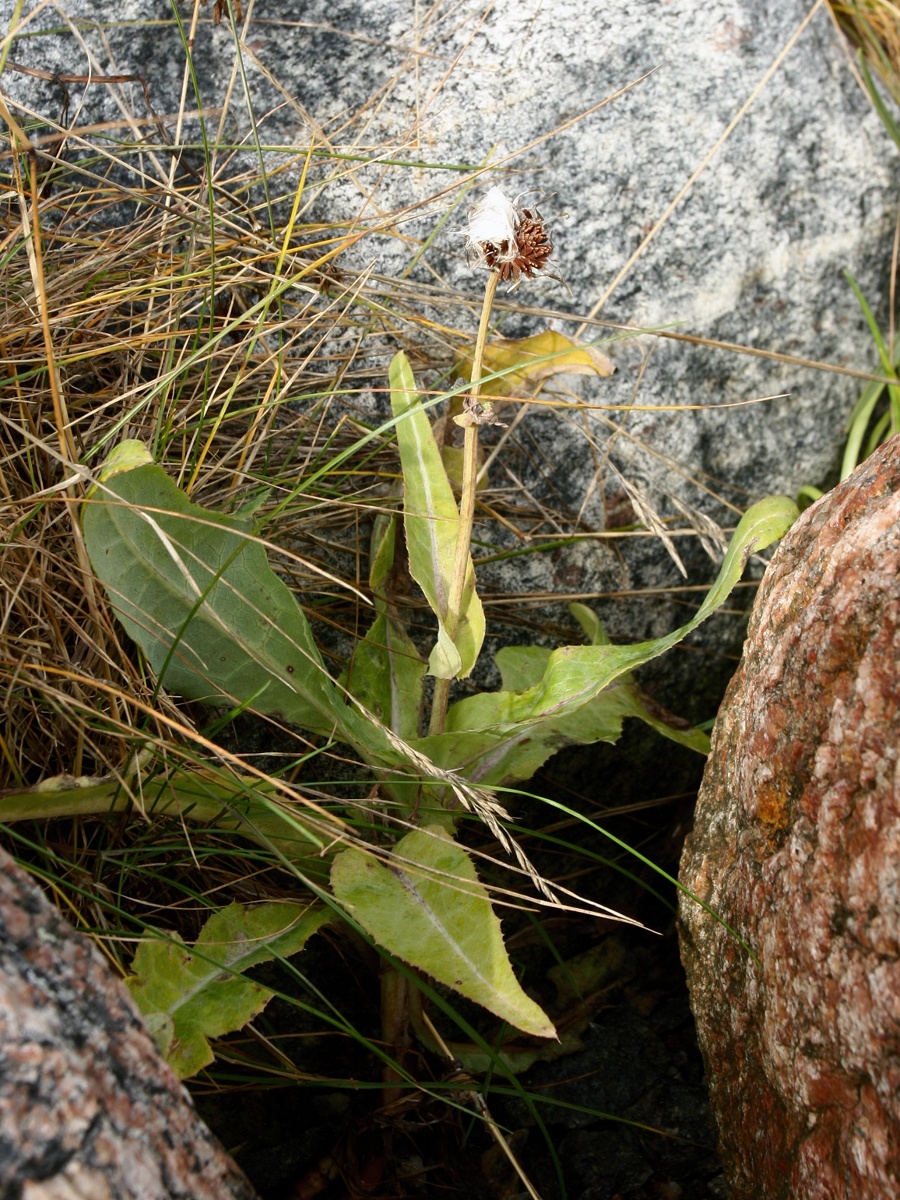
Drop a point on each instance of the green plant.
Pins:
(195, 592)
(863, 436)
(867, 426)
(874, 28)
(198, 341)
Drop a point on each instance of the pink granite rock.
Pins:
(796, 846)
(88, 1109)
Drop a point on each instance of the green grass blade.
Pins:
(886, 364)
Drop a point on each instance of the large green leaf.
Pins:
(600, 720)
(188, 995)
(431, 519)
(193, 588)
(429, 909)
(581, 693)
(196, 593)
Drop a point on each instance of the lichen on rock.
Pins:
(796, 847)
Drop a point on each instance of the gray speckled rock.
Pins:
(88, 1109)
(802, 188)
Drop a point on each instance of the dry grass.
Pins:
(215, 317)
(245, 362)
(250, 363)
(874, 27)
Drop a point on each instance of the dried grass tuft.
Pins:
(873, 26)
(114, 332)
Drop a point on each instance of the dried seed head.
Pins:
(510, 240)
(477, 412)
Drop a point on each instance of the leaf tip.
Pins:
(128, 455)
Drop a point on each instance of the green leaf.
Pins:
(382, 554)
(386, 673)
(590, 623)
(431, 520)
(188, 995)
(875, 96)
(886, 365)
(429, 909)
(205, 795)
(196, 593)
(576, 674)
(194, 590)
(484, 741)
(582, 693)
(521, 666)
(859, 420)
(388, 677)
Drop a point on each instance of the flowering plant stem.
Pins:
(466, 503)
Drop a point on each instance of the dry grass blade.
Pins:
(113, 331)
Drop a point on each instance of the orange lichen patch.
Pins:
(772, 807)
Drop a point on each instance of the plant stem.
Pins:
(466, 506)
(395, 1005)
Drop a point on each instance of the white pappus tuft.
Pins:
(492, 223)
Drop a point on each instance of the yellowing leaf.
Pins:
(129, 454)
(429, 909)
(533, 359)
(188, 994)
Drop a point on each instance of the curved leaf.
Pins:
(578, 693)
(534, 358)
(576, 674)
(431, 520)
(196, 592)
